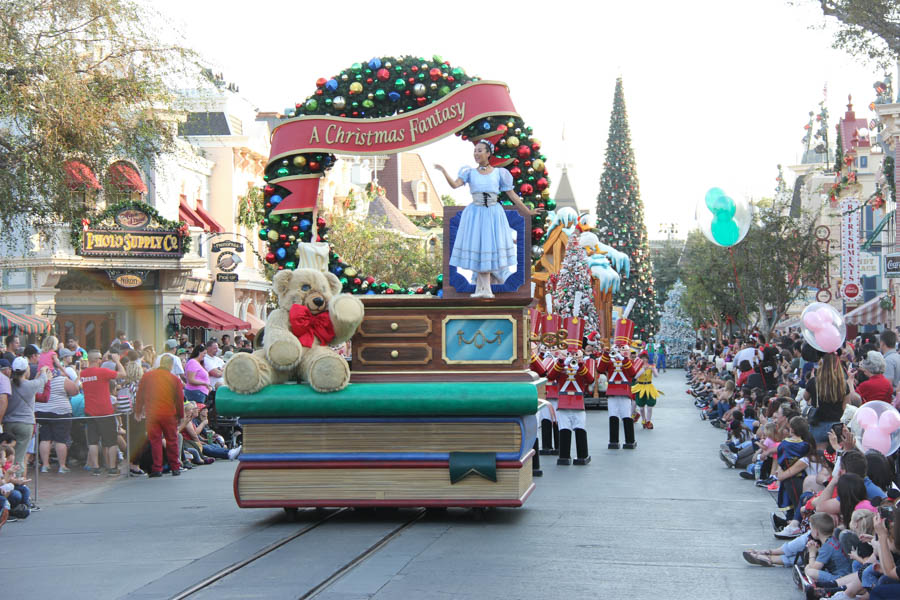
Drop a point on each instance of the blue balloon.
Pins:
(276, 199)
(375, 63)
(280, 253)
(305, 224)
(331, 85)
(394, 96)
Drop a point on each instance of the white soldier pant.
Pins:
(619, 406)
(571, 419)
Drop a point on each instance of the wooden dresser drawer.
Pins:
(404, 353)
(395, 326)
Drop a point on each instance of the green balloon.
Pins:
(725, 231)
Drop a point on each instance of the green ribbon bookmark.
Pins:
(462, 464)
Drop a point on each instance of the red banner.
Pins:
(389, 135)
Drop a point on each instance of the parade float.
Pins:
(438, 406)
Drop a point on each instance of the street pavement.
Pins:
(665, 520)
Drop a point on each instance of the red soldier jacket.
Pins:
(542, 366)
(573, 382)
(619, 374)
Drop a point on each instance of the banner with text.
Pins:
(389, 135)
(850, 289)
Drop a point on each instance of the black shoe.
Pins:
(746, 475)
(564, 461)
(176, 472)
(613, 447)
(778, 521)
(630, 446)
(549, 452)
(582, 461)
(155, 474)
(537, 473)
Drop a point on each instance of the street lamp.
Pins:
(50, 313)
(174, 320)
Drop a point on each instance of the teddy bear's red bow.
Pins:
(307, 326)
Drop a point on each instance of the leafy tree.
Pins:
(665, 262)
(448, 200)
(78, 80)
(382, 252)
(868, 29)
(710, 294)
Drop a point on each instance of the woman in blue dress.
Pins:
(484, 241)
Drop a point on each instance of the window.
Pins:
(863, 162)
(422, 194)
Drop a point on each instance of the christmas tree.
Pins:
(621, 212)
(675, 328)
(572, 293)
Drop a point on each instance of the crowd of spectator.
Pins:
(86, 405)
(787, 414)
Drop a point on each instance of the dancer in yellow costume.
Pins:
(645, 393)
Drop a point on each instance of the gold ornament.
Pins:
(300, 161)
(356, 87)
(538, 165)
(292, 238)
(350, 272)
(545, 194)
(512, 141)
(273, 236)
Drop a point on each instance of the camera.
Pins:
(886, 512)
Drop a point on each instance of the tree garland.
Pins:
(378, 88)
(75, 233)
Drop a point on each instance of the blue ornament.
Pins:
(305, 224)
(370, 293)
(375, 63)
(486, 125)
(394, 96)
(275, 200)
(281, 253)
(338, 269)
(331, 85)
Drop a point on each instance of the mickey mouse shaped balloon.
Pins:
(823, 327)
(723, 220)
(880, 425)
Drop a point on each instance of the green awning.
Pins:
(877, 231)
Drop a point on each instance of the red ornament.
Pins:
(536, 146)
(414, 69)
(369, 80)
(319, 92)
(268, 189)
(389, 291)
(421, 101)
(435, 74)
(542, 184)
(321, 81)
(268, 205)
(370, 280)
(383, 74)
(320, 221)
(524, 152)
(537, 233)
(526, 189)
(515, 171)
(295, 228)
(270, 257)
(282, 237)
(357, 281)
(313, 166)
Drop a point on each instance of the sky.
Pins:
(717, 91)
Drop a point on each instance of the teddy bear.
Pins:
(312, 316)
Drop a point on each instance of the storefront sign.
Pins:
(231, 245)
(227, 277)
(869, 264)
(850, 271)
(892, 265)
(128, 279)
(227, 261)
(134, 238)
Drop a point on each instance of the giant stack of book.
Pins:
(402, 443)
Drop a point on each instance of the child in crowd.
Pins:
(794, 456)
(827, 560)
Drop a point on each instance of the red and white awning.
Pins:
(871, 313)
(79, 176)
(125, 178)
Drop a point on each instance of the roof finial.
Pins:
(849, 103)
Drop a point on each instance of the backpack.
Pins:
(20, 511)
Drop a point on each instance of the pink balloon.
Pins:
(877, 430)
(813, 320)
(829, 338)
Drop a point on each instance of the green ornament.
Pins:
(368, 104)
(458, 72)
(380, 95)
(440, 278)
(312, 104)
(290, 265)
(437, 58)
(400, 85)
(356, 67)
(263, 234)
(282, 171)
(443, 90)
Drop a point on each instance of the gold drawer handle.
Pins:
(394, 354)
(394, 327)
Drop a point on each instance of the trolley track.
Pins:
(235, 569)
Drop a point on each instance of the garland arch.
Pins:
(385, 87)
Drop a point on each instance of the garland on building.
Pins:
(106, 218)
(378, 88)
(620, 212)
